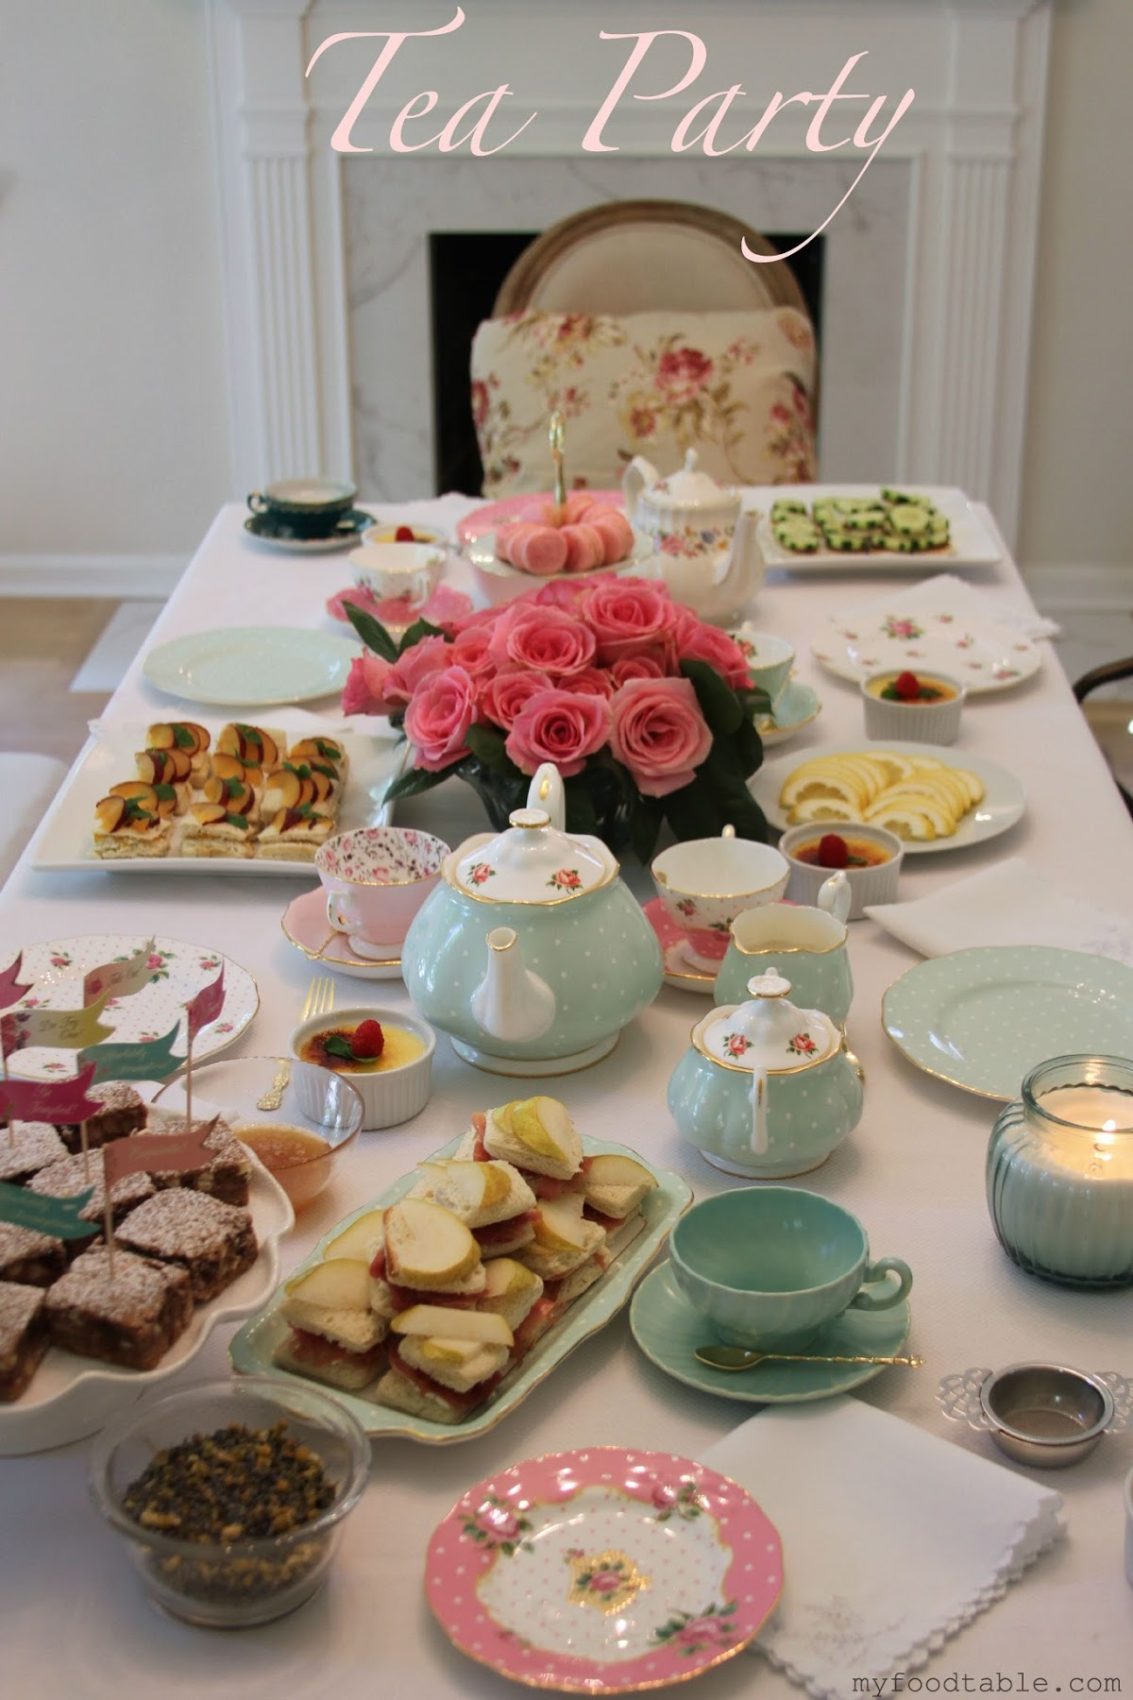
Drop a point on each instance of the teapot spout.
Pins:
(745, 568)
(511, 1003)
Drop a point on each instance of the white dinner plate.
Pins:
(971, 544)
(1003, 803)
(982, 655)
(178, 971)
(254, 666)
(982, 1019)
(66, 843)
(72, 1396)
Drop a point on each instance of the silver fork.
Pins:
(319, 1001)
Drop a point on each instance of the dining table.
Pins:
(78, 1622)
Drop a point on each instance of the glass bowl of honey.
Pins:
(296, 1117)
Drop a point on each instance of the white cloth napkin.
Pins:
(971, 603)
(1009, 903)
(893, 1539)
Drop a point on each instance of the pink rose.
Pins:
(364, 690)
(565, 593)
(470, 651)
(561, 727)
(478, 617)
(700, 1630)
(501, 699)
(544, 639)
(708, 643)
(499, 1520)
(643, 666)
(438, 718)
(664, 1496)
(628, 615)
(591, 682)
(659, 733)
(417, 664)
(605, 1581)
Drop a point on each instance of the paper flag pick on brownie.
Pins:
(206, 1006)
(12, 988)
(158, 1151)
(58, 1217)
(62, 1029)
(63, 1102)
(148, 1059)
(120, 979)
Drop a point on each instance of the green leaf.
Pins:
(372, 632)
(418, 630)
(645, 817)
(240, 821)
(336, 1046)
(581, 815)
(413, 781)
(692, 812)
(489, 747)
(165, 793)
(719, 703)
(183, 738)
(749, 748)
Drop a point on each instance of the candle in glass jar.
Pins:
(1089, 1107)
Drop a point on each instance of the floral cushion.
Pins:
(735, 385)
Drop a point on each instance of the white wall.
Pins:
(113, 420)
(1076, 503)
(113, 415)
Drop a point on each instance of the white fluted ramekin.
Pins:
(392, 1097)
(919, 722)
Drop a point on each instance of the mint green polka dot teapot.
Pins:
(766, 1090)
(531, 953)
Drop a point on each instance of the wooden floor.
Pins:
(43, 642)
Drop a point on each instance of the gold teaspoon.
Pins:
(741, 1357)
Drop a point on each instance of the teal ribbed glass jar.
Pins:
(1060, 1172)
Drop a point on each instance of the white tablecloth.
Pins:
(75, 1619)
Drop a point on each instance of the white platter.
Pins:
(1003, 804)
(252, 1348)
(253, 666)
(65, 842)
(501, 582)
(179, 971)
(972, 543)
(982, 655)
(70, 1396)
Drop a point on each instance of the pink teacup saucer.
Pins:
(305, 925)
(685, 966)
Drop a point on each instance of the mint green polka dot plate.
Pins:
(982, 1019)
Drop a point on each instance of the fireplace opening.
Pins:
(466, 269)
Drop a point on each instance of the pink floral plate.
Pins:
(305, 925)
(494, 514)
(178, 971)
(603, 1571)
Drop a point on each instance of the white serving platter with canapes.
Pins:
(72, 1396)
(1001, 805)
(65, 843)
(971, 542)
(253, 1348)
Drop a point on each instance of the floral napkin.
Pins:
(893, 1539)
(963, 601)
(1009, 903)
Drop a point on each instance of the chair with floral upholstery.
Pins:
(643, 323)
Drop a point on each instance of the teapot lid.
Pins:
(532, 862)
(689, 488)
(767, 1033)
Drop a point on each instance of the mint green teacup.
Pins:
(769, 1266)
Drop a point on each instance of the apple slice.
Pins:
(207, 814)
(426, 1246)
(136, 790)
(338, 1283)
(558, 1224)
(108, 813)
(478, 1186)
(434, 1322)
(505, 1275)
(360, 1240)
(226, 765)
(283, 789)
(544, 1127)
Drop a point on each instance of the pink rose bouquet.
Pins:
(647, 712)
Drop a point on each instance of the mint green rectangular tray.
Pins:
(252, 1348)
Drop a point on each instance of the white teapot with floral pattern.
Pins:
(766, 1089)
(704, 539)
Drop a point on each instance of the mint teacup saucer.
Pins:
(796, 708)
(668, 1331)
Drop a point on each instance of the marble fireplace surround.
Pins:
(929, 265)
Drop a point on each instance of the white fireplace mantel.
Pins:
(971, 147)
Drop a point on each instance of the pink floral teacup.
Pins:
(376, 878)
(705, 883)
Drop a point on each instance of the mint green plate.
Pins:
(253, 666)
(252, 1349)
(668, 1331)
(982, 1019)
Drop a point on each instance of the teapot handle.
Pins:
(546, 792)
(760, 1141)
(638, 475)
(834, 895)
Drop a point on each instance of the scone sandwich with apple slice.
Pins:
(182, 739)
(295, 834)
(335, 1336)
(491, 1198)
(213, 829)
(320, 755)
(535, 1135)
(613, 1189)
(123, 826)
